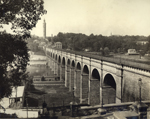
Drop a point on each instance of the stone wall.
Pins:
(131, 87)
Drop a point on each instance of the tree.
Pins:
(22, 16)
(96, 46)
(101, 51)
(106, 51)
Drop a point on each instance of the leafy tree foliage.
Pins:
(22, 16)
(13, 62)
(106, 51)
(97, 43)
(33, 43)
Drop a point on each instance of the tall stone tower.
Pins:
(44, 29)
(52, 40)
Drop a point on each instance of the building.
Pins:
(58, 45)
(17, 97)
(132, 52)
(141, 42)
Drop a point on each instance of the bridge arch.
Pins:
(78, 66)
(62, 71)
(56, 57)
(59, 60)
(63, 61)
(95, 74)
(109, 80)
(85, 69)
(77, 79)
(67, 73)
(53, 55)
(73, 63)
(59, 66)
(72, 73)
(52, 63)
(68, 62)
(56, 65)
(109, 89)
(84, 83)
(95, 87)
(50, 54)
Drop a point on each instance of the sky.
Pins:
(105, 17)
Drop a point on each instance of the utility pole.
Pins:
(140, 84)
(27, 106)
(16, 95)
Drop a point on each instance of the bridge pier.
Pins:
(55, 68)
(48, 62)
(58, 71)
(119, 80)
(94, 92)
(71, 79)
(78, 78)
(109, 95)
(51, 64)
(84, 88)
(67, 76)
(62, 73)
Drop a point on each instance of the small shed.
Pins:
(132, 52)
(17, 95)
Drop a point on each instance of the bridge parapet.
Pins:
(137, 70)
(112, 107)
(116, 60)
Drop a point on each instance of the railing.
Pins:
(112, 107)
(116, 60)
(66, 110)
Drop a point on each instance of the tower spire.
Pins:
(44, 29)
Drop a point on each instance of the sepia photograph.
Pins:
(75, 59)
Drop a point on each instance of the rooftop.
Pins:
(20, 91)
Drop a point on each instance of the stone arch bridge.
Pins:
(100, 80)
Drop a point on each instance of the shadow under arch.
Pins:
(78, 66)
(63, 70)
(59, 66)
(85, 70)
(53, 56)
(56, 58)
(73, 64)
(59, 60)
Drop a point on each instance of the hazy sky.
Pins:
(119, 17)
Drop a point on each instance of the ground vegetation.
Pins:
(103, 44)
